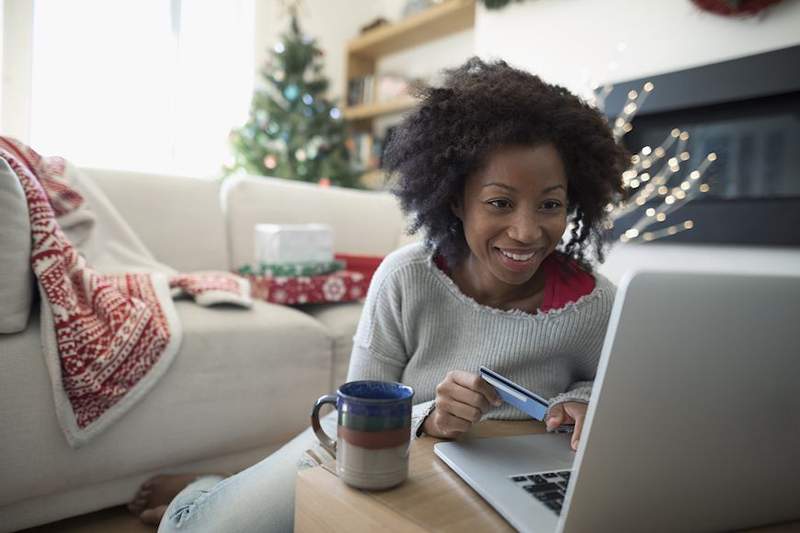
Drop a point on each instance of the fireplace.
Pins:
(745, 110)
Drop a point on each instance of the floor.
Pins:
(119, 520)
(116, 519)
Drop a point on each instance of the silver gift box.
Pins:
(293, 243)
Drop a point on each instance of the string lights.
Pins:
(622, 124)
(651, 176)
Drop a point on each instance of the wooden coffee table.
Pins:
(433, 498)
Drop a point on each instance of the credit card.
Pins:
(516, 395)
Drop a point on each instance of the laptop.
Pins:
(693, 423)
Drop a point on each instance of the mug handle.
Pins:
(327, 443)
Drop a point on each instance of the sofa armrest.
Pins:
(364, 222)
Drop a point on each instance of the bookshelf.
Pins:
(363, 52)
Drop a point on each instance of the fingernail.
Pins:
(498, 403)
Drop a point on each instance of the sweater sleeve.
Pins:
(379, 350)
(379, 344)
(580, 391)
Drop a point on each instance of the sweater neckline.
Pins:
(601, 287)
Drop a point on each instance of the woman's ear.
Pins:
(458, 209)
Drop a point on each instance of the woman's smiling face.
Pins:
(514, 212)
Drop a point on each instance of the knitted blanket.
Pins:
(109, 328)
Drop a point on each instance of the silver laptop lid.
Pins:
(694, 422)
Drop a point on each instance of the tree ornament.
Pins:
(270, 161)
(734, 7)
(261, 117)
(497, 4)
(291, 92)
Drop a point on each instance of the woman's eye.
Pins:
(500, 204)
(552, 204)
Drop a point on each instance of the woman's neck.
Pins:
(487, 290)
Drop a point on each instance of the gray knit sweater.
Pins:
(417, 325)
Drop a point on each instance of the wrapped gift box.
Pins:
(342, 286)
(293, 243)
(365, 264)
(293, 269)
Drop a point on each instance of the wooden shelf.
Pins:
(364, 52)
(373, 110)
(449, 17)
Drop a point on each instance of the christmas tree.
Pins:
(293, 130)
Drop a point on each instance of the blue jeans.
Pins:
(258, 499)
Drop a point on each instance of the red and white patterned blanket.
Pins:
(107, 337)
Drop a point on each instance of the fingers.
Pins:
(578, 413)
(448, 425)
(556, 417)
(477, 384)
(576, 433)
(461, 400)
(465, 411)
(470, 397)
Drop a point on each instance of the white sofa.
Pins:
(243, 381)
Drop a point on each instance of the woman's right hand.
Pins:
(461, 400)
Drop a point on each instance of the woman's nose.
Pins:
(525, 229)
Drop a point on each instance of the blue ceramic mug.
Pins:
(373, 432)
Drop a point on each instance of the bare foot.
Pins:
(155, 494)
(153, 516)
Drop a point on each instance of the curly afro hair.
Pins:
(485, 106)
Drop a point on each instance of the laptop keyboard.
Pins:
(547, 487)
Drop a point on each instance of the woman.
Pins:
(494, 167)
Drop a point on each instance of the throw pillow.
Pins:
(16, 276)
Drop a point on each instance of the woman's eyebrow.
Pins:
(502, 185)
(510, 188)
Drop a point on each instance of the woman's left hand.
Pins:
(568, 413)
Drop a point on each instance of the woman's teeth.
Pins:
(517, 257)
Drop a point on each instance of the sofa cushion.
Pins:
(179, 219)
(16, 276)
(249, 201)
(341, 321)
(242, 379)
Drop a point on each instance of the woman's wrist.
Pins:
(428, 423)
(419, 416)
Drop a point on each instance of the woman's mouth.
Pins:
(518, 260)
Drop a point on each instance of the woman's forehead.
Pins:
(522, 167)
